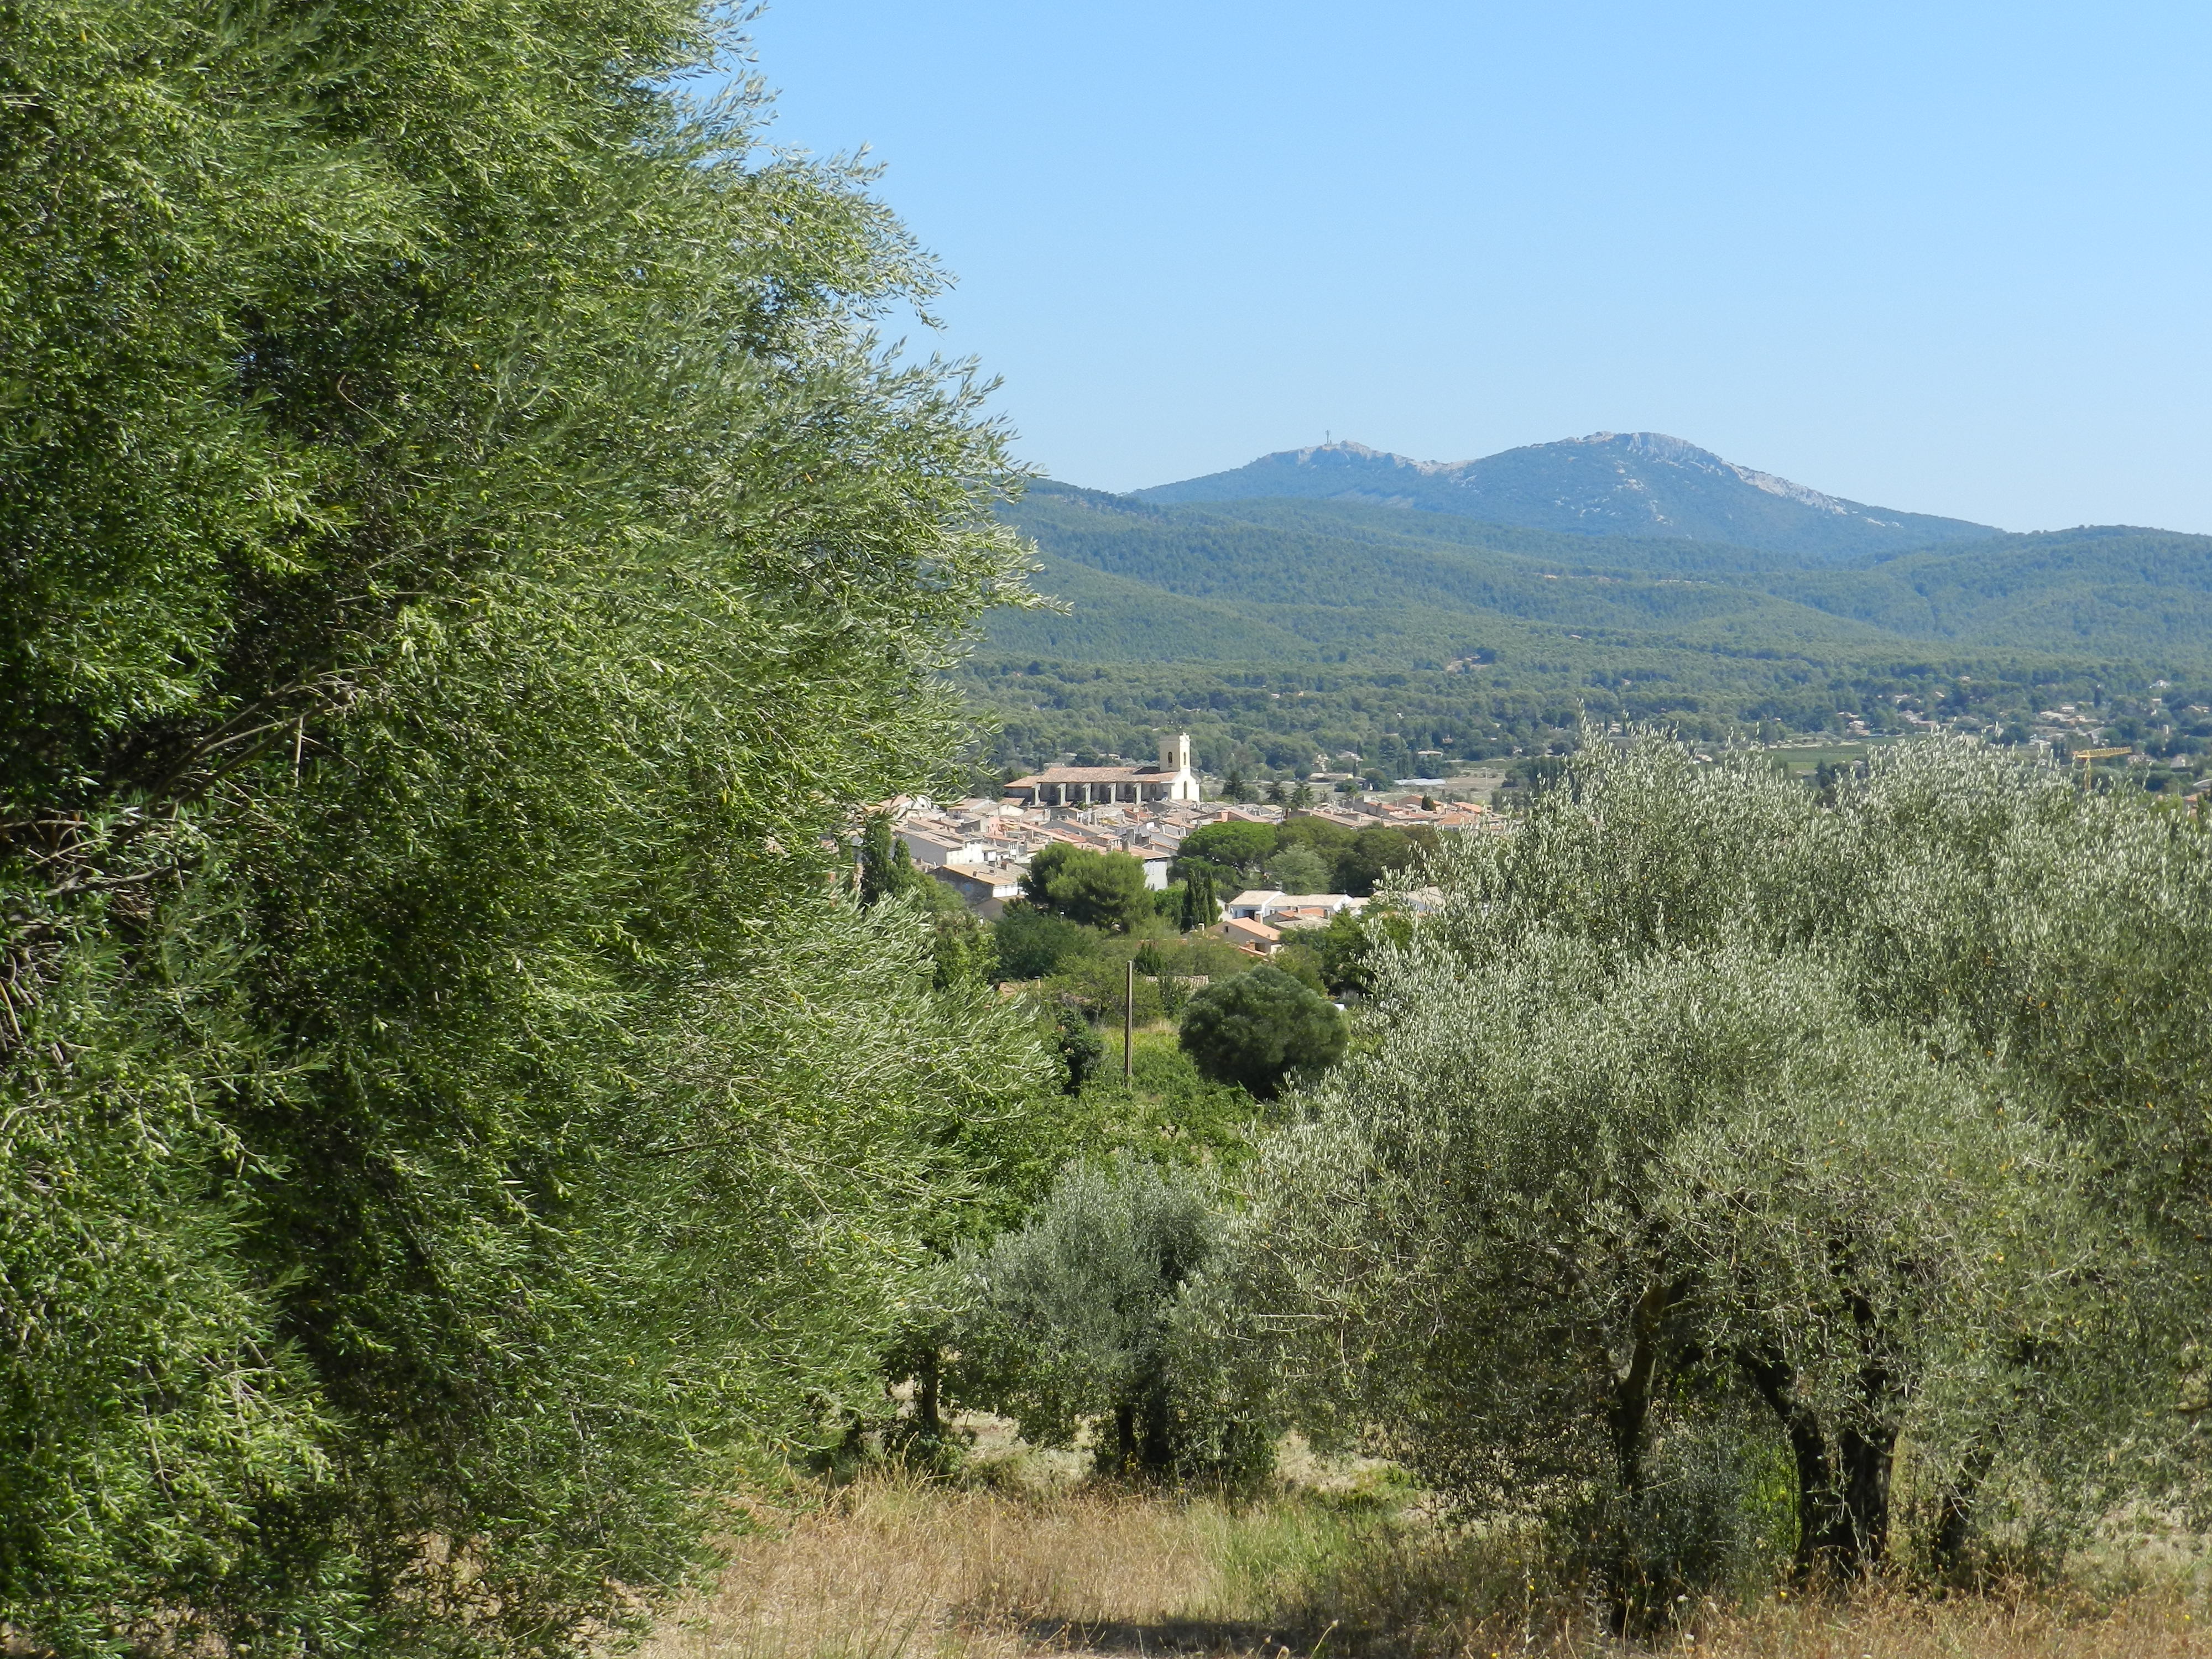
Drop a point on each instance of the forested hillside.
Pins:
(1420, 580)
(2106, 589)
(1277, 630)
(1373, 583)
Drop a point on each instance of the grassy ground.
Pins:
(893, 1568)
(1802, 760)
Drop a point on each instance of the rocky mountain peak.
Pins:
(1604, 483)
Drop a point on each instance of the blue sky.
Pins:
(1947, 258)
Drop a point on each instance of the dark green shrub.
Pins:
(1032, 943)
(1232, 854)
(1105, 891)
(1254, 1029)
(1080, 1049)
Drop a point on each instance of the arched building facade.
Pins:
(1098, 786)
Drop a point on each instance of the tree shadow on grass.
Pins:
(1223, 1637)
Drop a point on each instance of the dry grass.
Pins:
(891, 1568)
(1876, 1626)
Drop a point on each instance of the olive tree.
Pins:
(466, 550)
(1074, 1316)
(1645, 1135)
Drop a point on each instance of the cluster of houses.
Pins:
(981, 848)
(1257, 921)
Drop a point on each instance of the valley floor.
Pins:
(896, 1568)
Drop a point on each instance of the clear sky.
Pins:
(1947, 258)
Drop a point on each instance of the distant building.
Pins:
(931, 845)
(1253, 936)
(1250, 903)
(1292, 913)
(985, 887)
(1268, 905)
(1091, 786)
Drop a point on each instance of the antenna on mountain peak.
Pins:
(1326, 436)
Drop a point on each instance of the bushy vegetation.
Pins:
(1256, 1030)
(464, 550)
(1105, 891)
(1301, 855)
(1729, 1178)
(1338, 958)
(1031, 943)
(1712, 1128)
(1075, 1319)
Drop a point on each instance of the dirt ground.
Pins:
(896, 1568)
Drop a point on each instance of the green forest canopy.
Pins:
(1277, 631)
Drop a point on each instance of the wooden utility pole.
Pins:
(1129, 1025)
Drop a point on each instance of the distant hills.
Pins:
(1638, 484)
(1363, 607)
(1334, 576)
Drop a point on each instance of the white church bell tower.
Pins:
(1175, 761)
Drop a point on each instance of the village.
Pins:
(981, 848)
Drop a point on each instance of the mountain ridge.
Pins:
(1643, 484)
(1298, 580)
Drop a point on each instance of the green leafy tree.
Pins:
(1298, 869)
(1232, 854)
(1344, 950)
(961, 948)
(1074, 1315)
(1376, 854)
(1105, 891)
(1254, 1029)
(1702, 1108)
(1080, 1049)
(1301, 963)
(1200, 907)
(886, 866)
(1328, 842)
(1033, 943)
(465, 549)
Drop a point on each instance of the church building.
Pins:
(1098, 786)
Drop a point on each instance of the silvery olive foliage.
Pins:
(1703, 1100)
(466, 550)
(1081, 1317)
